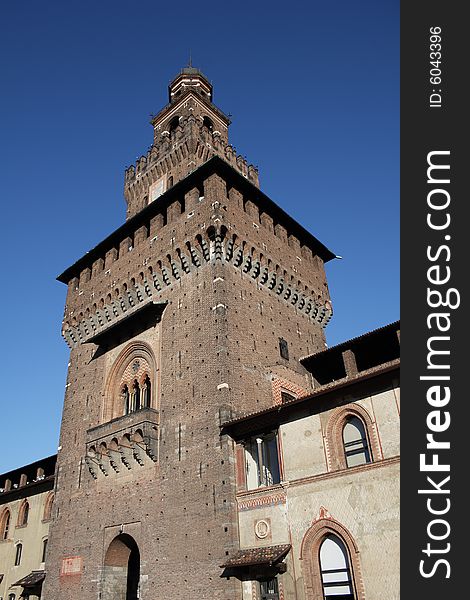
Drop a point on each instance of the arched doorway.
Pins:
(121, 571)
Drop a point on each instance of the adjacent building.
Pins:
(26, 499)
(317, 481)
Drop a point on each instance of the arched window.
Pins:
(135, 396)
(23, 514)
(146, 392)
(170, 182)
(351, 438)
(335, 570)
(48, 507)
(356, 446)
(4, 524)
(126, 400)
(208, 123)
(175, 121)
(132, 382)
(19, 552)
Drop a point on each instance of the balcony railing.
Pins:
(123, 444)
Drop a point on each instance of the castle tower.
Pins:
(196, 310)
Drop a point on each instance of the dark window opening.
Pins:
(208, 123)
(286, 397)
(44, 550)
(283, 348)
(19, 551)
(175, 121)
(269, 589)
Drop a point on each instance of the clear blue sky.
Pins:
(313, 89)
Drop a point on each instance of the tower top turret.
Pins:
(190, 78)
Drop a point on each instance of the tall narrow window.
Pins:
(262, 461)
(19, 551)
(23, 514)
(356, 447)
(5, 525)
(48, 507)
(126, 400)
(146, 391)
(335, 570)
(44, 550)
(269, 589)
(135, 396)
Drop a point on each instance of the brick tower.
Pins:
(195, 310)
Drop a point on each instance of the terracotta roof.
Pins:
(269, 555)
(31, 580)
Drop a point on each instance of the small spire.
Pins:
(190, 62)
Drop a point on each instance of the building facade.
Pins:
(26, 500)
(186, 326)
(317, 481)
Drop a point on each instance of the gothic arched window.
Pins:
(5, 524)
(335, 569)
(356, 446)
(146, 392)
(126, 400)
(48, 507)
(132, 383)
(135, 396)
(23, 514)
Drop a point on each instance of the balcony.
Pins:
(129, 442)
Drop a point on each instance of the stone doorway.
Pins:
(121, 571)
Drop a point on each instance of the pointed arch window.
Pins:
(356, 446)
(135, 396)
(146, 392)
(5, 524)
(23, 514)
(335, 570)
(126, 400)
(48, 507)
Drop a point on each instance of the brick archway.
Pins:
(121, 569)
(334, 435)
(309, 555)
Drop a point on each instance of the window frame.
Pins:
(336, 458)
(257, 453)
(312, 541)
(18, 554)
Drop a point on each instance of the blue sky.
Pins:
(313, 89)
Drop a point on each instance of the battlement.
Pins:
(176, 153)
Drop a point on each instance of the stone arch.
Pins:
(121, 569)
(309, 555)
(334, 435)
(135, 362)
